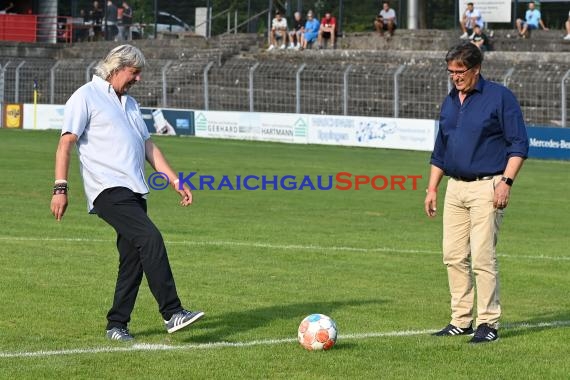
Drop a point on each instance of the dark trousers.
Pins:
(141, 250)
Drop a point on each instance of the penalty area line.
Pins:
(149, 347)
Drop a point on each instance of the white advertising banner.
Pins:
(491, 10)
(373, 132)
(332, 130)
(358, 131)
(43, 116)
(290, 128)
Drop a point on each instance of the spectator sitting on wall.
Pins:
(479, 39)
(278, 31)
(471, 18)
(311, 30)
(385, 20)
(327, 31)
(567, 25)
(532, 21)
(296, 33)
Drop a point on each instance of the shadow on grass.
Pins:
(535, 325)
(221, 327)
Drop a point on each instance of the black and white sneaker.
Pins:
(451, 330)
(120, 334)
(484, 333)
(182, 319)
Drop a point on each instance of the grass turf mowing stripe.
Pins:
(266, 342)
(279, 246)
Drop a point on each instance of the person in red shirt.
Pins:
(327, 30)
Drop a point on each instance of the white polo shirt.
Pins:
(279, 24)
(111, 138)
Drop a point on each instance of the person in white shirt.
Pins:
(385, 20)
(471, 17)
(112, 143)
(278, 32)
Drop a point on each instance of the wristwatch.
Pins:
(507, 180)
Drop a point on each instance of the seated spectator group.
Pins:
(303, 33)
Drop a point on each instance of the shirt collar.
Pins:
(103, 84)
(478, 86)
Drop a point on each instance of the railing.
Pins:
(36, 28)
(410, 90)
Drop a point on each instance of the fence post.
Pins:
(251, 71)
(52, 83)
(508, 76)
(17, 84)
(2, 83)
(563, 99)
(165, 83)
(397, 90)
(88, 71)
(345, 91)
(298, 88)
(206, 89)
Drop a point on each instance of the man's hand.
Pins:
(502, 194)
(430, 203)
(58, 205)
(184, 192)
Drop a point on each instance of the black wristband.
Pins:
(60, 188)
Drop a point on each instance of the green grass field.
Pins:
(257, 262)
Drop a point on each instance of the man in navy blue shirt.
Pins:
(481, 146)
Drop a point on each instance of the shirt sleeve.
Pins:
(75, 115)
(438, 150)
(514, 127)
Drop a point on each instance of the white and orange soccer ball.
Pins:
(317, 332)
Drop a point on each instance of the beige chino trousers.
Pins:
(470, 228)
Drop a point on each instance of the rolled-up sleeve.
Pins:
(514, 127)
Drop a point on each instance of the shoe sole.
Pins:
(187, 323)
(452, 335)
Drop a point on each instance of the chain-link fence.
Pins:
(413, 89)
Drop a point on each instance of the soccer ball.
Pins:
(317, 332)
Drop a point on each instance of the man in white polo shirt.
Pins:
(112, 143)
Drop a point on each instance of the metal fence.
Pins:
(413, 89)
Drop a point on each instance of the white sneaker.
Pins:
(271, 47)
(282, 47)
(567, 37)
(292, 46)
(464, 36)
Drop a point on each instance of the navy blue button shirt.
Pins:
(477, 138)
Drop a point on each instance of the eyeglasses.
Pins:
(459, 73)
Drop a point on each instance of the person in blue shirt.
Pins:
(532, 21)
(311, 30)
(481, 145)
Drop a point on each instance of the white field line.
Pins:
(295, 247)
(266, 342)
